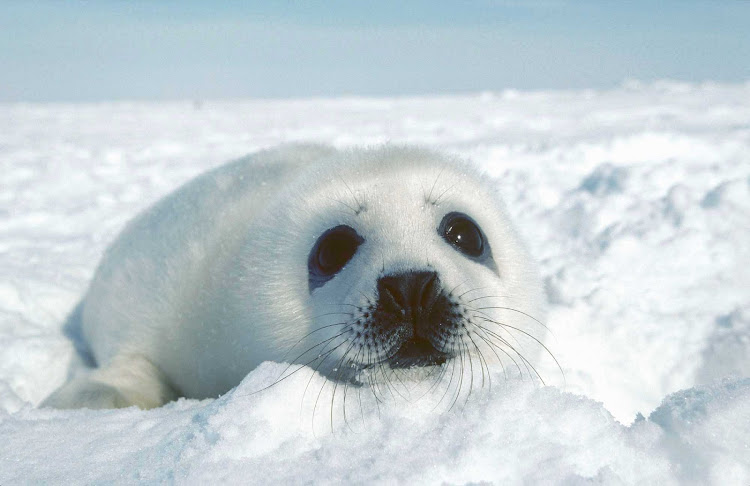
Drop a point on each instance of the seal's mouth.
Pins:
(417, 351)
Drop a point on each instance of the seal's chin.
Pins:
(417, 351)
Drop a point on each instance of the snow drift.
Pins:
(636, 201)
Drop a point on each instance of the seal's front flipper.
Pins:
(84, 392)
(128, 380)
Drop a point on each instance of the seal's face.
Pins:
(413, 319)
(415, 266)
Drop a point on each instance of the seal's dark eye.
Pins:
(463, 233)
(331, 252)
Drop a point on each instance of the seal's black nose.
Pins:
(409, 293)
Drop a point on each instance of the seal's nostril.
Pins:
(390, 289)
(426, 293)
(409, 291)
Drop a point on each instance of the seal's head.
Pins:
(397, 258)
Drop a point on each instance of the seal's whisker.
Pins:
(454, 362)
(333, 314)
(327, 355)
(491, 335)
(487, 318)
(372, 385)
(471, 290)
(480, 309)
(283, 377)
(450, 294)
(450, 381)
(361, 409)
(339, 365)
(369, 371)
(487, 297)
(312, 375)
(460, 379)
(387, 374)
(322, 387)
(437, 199)
(403, 385)
(395, 379)
(471, 372)
(429, 196)
(308, 335)
(354, 211)
(315, 406)
(367, 299)
(381, 368)
(482, 362)
(343, 303)
(540, 343)
(439, 373)
(525, 361)
(360, 206)
(512, 348)
(387, 382)
(440, 377)
(487, 367)
(492, 348)
(294, 361)
(346, 383)
(486, 364)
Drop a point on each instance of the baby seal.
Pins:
(346, 261)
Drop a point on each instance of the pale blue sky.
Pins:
(116, 49)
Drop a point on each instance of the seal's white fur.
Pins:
(213, 280)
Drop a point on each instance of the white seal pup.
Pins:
(345, 261)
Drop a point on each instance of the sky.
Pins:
(145, 49)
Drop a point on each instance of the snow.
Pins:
(636, 201)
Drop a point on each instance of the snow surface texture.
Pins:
(635, 200)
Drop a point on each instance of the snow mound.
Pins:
(511, 432)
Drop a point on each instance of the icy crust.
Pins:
(511, 433)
